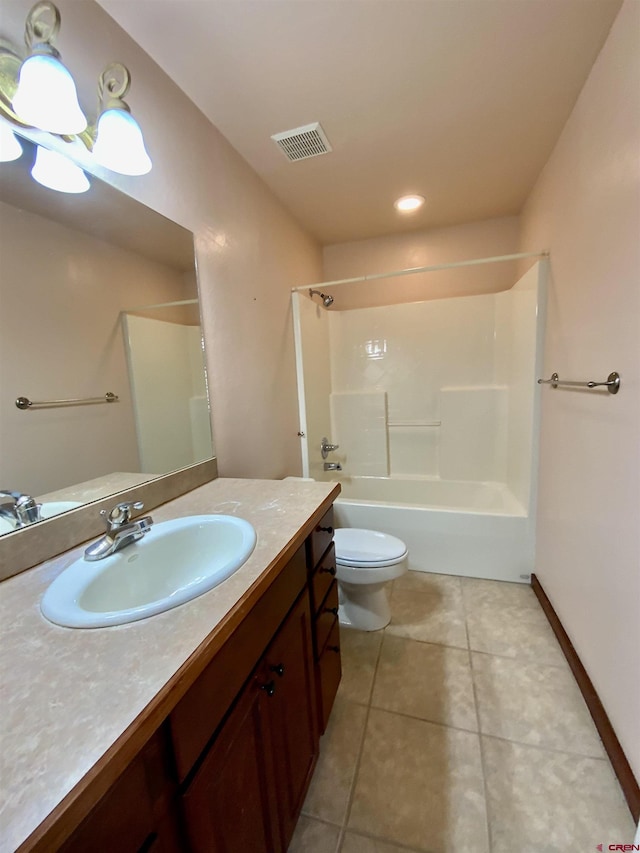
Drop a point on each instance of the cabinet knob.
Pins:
(278, 669)
(333, 610)
(328, 530)
(269, 688)
(331, 570)
(333, 648)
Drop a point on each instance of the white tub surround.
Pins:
(435, 408)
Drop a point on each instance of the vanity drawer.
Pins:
(329, 672)
(320, 539)
(325, 617)
(322, 578)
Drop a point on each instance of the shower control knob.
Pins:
(326, 447)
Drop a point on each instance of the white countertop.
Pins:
(68, 694)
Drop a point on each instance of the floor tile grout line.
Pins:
(427, 642)
(483, 765)
(356, 769)
(438, 723)
(553, 749)
(562, 665)
(402, 847)
(520, 660)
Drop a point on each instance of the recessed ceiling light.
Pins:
(408, 203)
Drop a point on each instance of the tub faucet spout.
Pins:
(332, 466)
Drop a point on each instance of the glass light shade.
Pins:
(119, 145)
(55, 171)
(47, 98)
(10, 148)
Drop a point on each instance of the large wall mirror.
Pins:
(98, 295)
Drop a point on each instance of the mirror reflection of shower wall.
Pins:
(166, 373)
(61, 294)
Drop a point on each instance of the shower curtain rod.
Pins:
(435, 268)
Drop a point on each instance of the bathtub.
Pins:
(450, 527)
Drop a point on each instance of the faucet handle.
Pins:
(120, 514)
(326, 447)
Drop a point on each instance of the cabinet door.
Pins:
(288, 673)
(230, 805)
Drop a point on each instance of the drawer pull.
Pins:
(333, 648)
(331, 570)
(278, 669)
(269, 688)
(333, 610)
(328, 530)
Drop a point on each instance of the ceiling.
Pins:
(461, 101)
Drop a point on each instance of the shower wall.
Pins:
(438, 389)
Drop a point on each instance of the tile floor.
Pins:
(460, 729)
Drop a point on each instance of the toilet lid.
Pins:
(354, 545)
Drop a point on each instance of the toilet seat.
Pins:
(361, 548)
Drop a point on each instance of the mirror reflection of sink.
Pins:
(175, 562)
(49, 509)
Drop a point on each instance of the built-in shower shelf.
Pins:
(414, 423)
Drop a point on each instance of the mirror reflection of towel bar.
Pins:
(612, 384)
(25, 403)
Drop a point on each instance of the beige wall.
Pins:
(484, 239)
(61, 293)
(249, 250)
(586, 209)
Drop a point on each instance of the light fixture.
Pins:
(46, 97)
(57, 172)
(408, 203)
(38, 92)
(10, 148)
(119, 145)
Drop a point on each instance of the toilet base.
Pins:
(364, 606)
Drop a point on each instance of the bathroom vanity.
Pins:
(196, 729)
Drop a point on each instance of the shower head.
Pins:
(327, 301)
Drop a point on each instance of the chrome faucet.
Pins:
(326, 447)
(332, 466)
(121, 530)
(24, 509)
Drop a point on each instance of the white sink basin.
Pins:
(49, 509)
(174, 562)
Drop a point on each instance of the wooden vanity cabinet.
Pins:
(228, 769)
(247, 793)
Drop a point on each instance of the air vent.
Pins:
(303, 142)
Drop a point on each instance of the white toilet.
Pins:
(365, 561)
